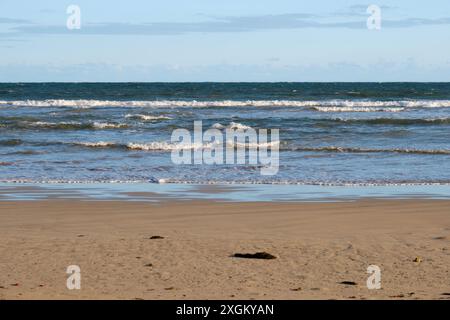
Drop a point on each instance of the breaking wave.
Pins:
(104, 125)
(145, 117)
(337, 105)
(357, 109)
(232, 125)
(100, 144)
(169, 146)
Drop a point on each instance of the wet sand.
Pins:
(317, 246)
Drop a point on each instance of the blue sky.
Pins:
(233, 40)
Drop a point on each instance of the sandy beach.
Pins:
(317, 247)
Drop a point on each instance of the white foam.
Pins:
(253, 145)
(232, 125)
(218, 126)
(357, 109)
(227, 182)
(238, 126)
(164, 146)
(100, 144)
(105, 125)
(147, 117)
(168, 146)
(52, 124)
(420, 103)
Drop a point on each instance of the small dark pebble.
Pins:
(15, 284)
(397, 296)
(138, 257)
(258, 255)
(296, 289)
(80, 235)
(445, 294)
(169, 288)
(156, 237)
(348, 283)
(439, 238)
(417, 259)
(148, 265)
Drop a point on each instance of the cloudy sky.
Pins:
(233, 40)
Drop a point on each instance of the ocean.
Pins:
(335, 134)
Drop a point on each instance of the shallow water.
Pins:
(148, 192)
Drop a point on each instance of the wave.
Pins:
(380, 183)
(169, 146)
(303, 183)
(63, 181)
(163, 146)
(97, 125)
(149, 146)
(340, 105)
(26, 152)
(357, 109)
(368, 150)
(392, 121)
(11, 142)
(65, 125)
(166, 146)
(253, 145)
(370, 121)
(238, 126)
(218, 126)
(145, 117)
(232, 125)
(104, 125)
(100, 144)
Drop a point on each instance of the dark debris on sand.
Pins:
(257, 255)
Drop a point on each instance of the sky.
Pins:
(232, 40)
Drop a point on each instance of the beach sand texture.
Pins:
(317, 246)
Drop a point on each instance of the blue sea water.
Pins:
(330, 133)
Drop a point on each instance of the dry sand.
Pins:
(317, 245)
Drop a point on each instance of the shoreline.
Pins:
(317, 246)
(153, 192)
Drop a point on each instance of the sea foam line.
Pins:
(335, 105)
(233, 182)
(168, 146)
